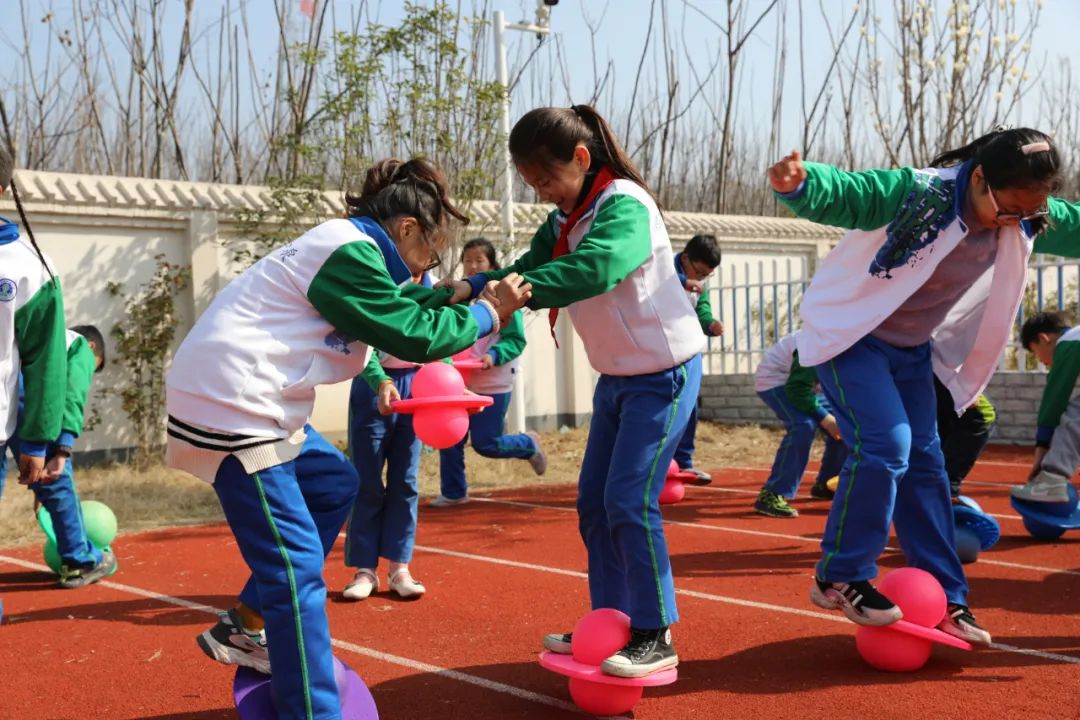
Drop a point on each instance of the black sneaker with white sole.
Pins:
(960, 623)
(558, 643)
(648, 651)
(81, 577)
(230, 643)
(859, 600)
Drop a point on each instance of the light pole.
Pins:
(506, 204)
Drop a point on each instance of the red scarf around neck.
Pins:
(562, 246)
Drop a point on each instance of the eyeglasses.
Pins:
(1018, 217)
(436, 258)
(702, 271)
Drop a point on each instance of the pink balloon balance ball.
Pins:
(437, 379)
(673, 492)
(918, 594)
(441, 427)
(599, 635)
(602, 699)
(891, 650)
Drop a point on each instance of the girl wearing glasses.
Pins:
(928, 281)
(242, 387)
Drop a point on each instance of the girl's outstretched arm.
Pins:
(828, 195)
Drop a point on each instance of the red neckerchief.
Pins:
(562, 246)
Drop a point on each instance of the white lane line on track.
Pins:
(783, 536)
(813, 473)
(718, 598)
(740, 491)
(417, 665)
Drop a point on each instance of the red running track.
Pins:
(502, 572)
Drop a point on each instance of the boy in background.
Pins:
(694, 265)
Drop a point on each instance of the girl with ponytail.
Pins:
(242, 388)
(927, 283)
(604, 254)
(32, 327)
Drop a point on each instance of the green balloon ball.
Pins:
(100, 523)
(52, 556)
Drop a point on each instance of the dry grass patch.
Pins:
(160, 497)
(141, 499)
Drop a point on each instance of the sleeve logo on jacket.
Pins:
(338, 342)
(8, 289)
(927, 210)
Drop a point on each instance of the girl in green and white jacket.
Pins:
(927, 282)
(242, 388)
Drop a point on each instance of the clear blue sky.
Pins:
(620, 38)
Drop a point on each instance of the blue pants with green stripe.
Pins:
(486, 434)
(884, 402)
(285, 519)
(383, 519)
(637, 422)
(789, 466)
(684, 452)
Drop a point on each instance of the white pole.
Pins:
(506, 205)
(517, 397)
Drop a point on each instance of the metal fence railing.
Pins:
(758, 302)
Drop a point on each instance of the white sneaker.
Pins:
(960, 623)
(559, 643)
(538, 460)
(443, 501)
(1046, 487)
(403, 583)
(363, 584)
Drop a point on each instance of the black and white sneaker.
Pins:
(230, 644)
(960, 623)
(859, 600)
(81, 577)
(648, 651)
(558, 643)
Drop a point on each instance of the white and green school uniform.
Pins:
(788, 389)
(239, 395)
(382, 523)
(907, 294)
(59, 497)
(684, 453)
(33, 342)
(486, 428)
(1059, 411)
(639, 331)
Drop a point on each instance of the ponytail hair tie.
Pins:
(1035, 147)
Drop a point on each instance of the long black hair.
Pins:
(1011, 158)
(550, 134)
(7, 180)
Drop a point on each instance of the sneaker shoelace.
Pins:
(859, 593)
(961, 614)
(640, 644)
